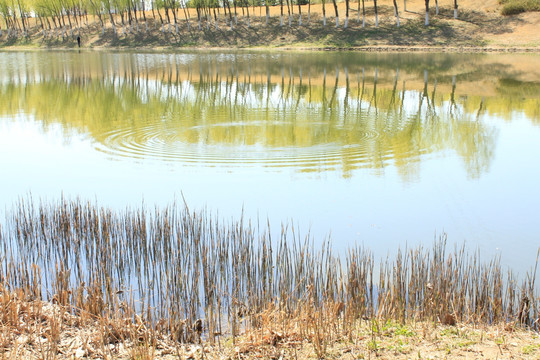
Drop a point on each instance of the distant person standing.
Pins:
(79, 40)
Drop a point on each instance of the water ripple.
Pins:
(194, 146)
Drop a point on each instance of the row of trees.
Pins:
(63, 17)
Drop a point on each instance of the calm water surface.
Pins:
(375, 149)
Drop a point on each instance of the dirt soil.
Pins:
(41, 330)
(479, 27)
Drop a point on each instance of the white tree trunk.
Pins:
(290, 20)
(176, 28)
(300, 20)
(427, 18)
(337, 21)
(397, 16)
(404, 5)
(376, 20)
(346, 22)
(267, 18)
(436, 7)
(455, 13)
(363, 21)
(146, 27)
(281, 21)
(248, 22)
(324, 20)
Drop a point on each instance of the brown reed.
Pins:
(186, 274)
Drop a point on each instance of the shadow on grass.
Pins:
(442, 31)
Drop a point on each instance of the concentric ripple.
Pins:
(244, 144)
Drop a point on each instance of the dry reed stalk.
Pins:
(184, 273)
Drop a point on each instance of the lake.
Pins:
(379, 149)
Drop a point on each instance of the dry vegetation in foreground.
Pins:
(78, 280)
(42, 330)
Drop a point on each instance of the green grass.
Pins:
(512, 7)
(531, 349)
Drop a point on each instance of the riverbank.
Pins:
(477, 28)
(81, 281)
(42, 330)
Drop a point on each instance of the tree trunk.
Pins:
(247, 12)
(336, 11)
(427, 13)
(363, 13)
(455, 9)
(186, 14)
(112, 22)
(299, 13)
(324, 12)
(396, 13)
(346, 14)
(376, 14)
(281, 7)
(235, 13)
(289, 12)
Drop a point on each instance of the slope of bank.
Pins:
(479, 27)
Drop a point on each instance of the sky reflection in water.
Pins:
(379, 149)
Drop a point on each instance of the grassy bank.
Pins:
(175, 276)
(475, 28)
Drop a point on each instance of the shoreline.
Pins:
(369, 49)
(476, 30)
(38, 329)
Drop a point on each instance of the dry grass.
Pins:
(149, 281)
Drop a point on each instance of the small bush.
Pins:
(512, 7)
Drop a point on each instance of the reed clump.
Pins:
(142, 276)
